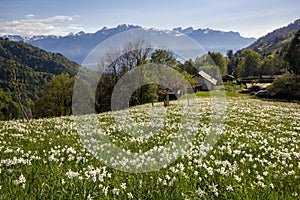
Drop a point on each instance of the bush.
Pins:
(286, 86)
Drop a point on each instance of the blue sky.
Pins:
(253, 18)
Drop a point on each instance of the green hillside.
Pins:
(24, 70)
(277, 40)
(266, 56)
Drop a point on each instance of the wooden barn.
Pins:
(205, 82)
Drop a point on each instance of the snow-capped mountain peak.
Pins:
(77, 46)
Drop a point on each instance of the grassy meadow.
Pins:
(257, 156)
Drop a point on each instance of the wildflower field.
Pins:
(257, 156)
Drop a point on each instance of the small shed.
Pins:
(228, 78)
(165, 95)
(205, 82)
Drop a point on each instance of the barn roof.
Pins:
(207, 77)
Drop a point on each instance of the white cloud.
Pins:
(29, 16)
(56, 25)
(60, 18)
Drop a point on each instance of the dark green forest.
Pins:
(24, 71)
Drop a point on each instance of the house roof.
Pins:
(207, 77)
(227, 76)
(268, 76)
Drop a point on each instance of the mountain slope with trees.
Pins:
(288, 85)
(24, 70)
(277, 40)
(266, 56)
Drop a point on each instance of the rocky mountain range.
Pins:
(77, 46)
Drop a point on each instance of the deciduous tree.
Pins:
(56, 98)
(250, 63)
(293, 54)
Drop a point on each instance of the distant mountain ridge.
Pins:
(77, 46)
(276, 40)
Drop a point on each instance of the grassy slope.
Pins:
(256, 157)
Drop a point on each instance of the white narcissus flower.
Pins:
(214, 189)
(200, 192)
(105, 190)
(123, 186)
(89, 197)
(294, 194)
(229, 188)
(130, 196)
(22, 179)
(116, 191)
(70, 174)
